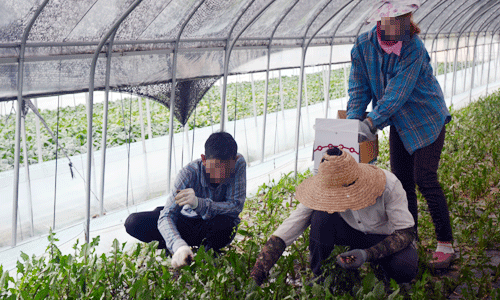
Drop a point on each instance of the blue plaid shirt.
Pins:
(403, 89)
(227, 199)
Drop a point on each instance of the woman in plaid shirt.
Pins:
(391, 68)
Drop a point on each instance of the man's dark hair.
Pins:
(221, 145)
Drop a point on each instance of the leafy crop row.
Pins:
(469, 174)
(124, 120)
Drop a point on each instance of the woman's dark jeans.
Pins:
(213, 234)
(420, 168)
(328, 230)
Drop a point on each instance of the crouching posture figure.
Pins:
(349, 204)
(202, 208)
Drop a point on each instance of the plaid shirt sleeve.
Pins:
(359, 86)
(170, 213)
(399, 87)
(235, 195)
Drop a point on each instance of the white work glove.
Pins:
(182, 257)
(366, 131)
(188, 197)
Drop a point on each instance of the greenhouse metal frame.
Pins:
(53, 47)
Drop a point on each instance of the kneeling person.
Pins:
(202, 208)
(349, 204)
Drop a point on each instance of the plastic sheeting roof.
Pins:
(65, 35)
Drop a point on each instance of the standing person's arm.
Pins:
(401, 85)
(235, 195)
(360, 93)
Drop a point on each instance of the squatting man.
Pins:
(202, 208)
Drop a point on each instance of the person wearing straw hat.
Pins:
(391, 69)
(349, 204)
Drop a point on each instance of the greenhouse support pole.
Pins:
(172, 95)
(148, 117)
(282, 104)
(266, 94)
(38, 135)
(496, 62)
(489, 65)
(90, 111)
(105, 122)
(326, 85)
(446, 64)
(17, 146)
(466, 61)
(228, 51)
(145, 155)
(264, 115)
(27, 174)
(301, 75)
(299, 106)
(141, 119)
(454, 78)
(482, 59)
(254, 111)
(473, 69)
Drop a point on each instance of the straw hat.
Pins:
(341, 184)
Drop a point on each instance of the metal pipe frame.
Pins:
(264, 119)
(474, 19)
(227, 56)
(105, 121)
(172, 95)
(448, 20)
(474, 55)
(17, 152)
(301, 76)
(327, 94)
(90, 111)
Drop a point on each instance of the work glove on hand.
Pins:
(268, 256)
(352, 259)
(366, 131)
(188, 197)
(182, 257)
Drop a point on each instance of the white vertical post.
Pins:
(255, 111)
(186, 132)
(346, 87)
(282, 103)
(446, 65)
(38, 136)
(143, 138)
(141, 120)
(89, 117)
(148, 117)
(27, 174)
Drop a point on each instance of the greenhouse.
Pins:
(103, 103)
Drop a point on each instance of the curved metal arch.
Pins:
(450, 18)
(448, 45)
(264, 115)
(301, 79)
(228, 55)
(90, 110)
(428, 27)
(172, 94)
(327, 95)
(153, 19)
(461, 31)
(474, 53)
(316, 14)
(489, 59)
(105, 122)
(17, 147)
